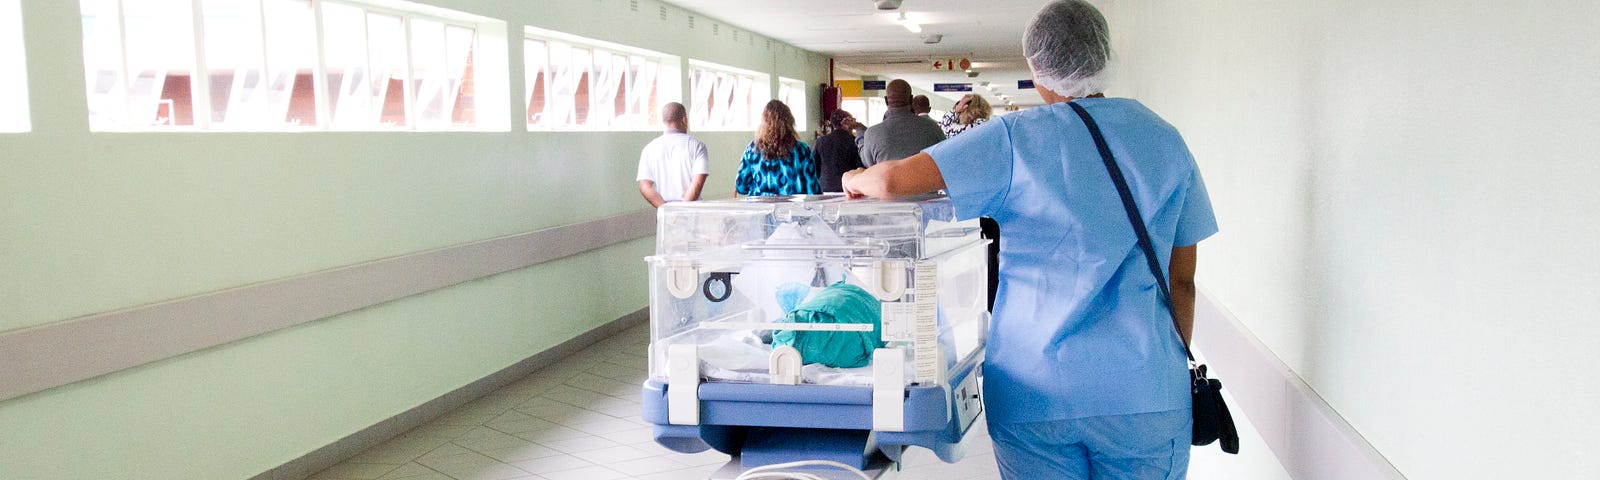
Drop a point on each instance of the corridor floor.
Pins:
(579, 419)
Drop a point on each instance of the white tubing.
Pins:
(770, 472)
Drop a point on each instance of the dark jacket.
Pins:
(836, 154)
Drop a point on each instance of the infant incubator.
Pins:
(815, 328)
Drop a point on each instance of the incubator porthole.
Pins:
(718, 286)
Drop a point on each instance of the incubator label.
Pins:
(899, 322)
(926, 351)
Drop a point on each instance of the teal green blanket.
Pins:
(839, 303)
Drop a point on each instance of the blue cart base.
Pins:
(768, 424)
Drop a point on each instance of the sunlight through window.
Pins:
(13, 70)
(264, 69)
(581, 84)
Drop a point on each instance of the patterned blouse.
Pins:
(794, 174)
(951, 124)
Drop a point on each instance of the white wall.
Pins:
(1406, 196)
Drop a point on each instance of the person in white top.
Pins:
(673, 167)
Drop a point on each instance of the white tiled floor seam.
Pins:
(578, 419)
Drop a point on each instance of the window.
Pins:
(725, 98)
(264, 66)
(793, 93)
(13, 70)
(869, 110)
(578, 83)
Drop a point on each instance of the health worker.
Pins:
(1085, 376)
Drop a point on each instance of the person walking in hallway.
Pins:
(921, 106)
(1085, 375)
(902, 133)
(673, 167)
(972, 110)
(777, 162)
(836, 151)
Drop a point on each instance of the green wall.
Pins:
(97, 222)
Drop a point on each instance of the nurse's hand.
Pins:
(895, 178)
(848, 181)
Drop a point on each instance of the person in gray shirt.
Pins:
(903, 133)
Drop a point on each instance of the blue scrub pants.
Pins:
(1145, 446)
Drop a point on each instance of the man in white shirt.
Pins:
(673, 167)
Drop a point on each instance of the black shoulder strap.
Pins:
(1133, 218)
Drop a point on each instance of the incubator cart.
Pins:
(724, 273)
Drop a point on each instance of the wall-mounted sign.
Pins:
(1024, 84)
(849, 88)
(952, 87)
(950, 64)
(875, 85)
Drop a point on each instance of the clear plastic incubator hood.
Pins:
(815, 328)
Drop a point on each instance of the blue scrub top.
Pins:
(1079, 328)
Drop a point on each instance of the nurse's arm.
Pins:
(1182, 282)
(896, 178)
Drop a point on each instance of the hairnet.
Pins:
(1068, 47)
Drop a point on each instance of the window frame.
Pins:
(800, 109)
(668, 83)
(869, 113)
(758, 100)
(15, 116)
(202, 103)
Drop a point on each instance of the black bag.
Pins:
(1212, 421)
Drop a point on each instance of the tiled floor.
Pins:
(579, 420)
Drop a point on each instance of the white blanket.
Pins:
(742, 357)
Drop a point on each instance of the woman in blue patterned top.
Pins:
(777, 162)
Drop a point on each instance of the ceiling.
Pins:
(867, 41)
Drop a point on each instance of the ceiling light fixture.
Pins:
(910, 25)
(886, 4)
